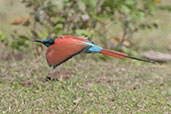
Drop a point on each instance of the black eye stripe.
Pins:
(49, 42)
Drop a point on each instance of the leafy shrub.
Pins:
(3, 38)
(83, 17)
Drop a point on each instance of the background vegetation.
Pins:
(94, 19)
(96, 83)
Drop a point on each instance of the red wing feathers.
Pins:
(61, 52)
(82, 38)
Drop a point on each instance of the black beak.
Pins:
(41, 41)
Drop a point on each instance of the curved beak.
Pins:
(41, 41)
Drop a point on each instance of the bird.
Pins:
(60, 50)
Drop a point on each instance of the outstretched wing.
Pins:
(66, 49)
(82, 38)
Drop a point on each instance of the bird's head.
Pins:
(48, 42)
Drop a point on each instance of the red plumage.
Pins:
(113, 53)
(82, 38)
(60, 50)
(64, 49)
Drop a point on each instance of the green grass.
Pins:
(94, 88)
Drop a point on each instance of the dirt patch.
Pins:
(11, 56)
(57, 75)
(26, 83)
(29, 83)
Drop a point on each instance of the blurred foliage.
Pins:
(3, 38)
(18, 42)
(53, 18)
(167, 8)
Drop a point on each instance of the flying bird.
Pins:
(62, 49)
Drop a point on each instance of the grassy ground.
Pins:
(92, 88)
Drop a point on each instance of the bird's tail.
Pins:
(120, 55)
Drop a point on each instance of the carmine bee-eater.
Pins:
(61, 50)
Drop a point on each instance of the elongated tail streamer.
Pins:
(120, 55)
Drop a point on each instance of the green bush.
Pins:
(83, 17)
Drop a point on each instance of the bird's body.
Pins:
(60, 50)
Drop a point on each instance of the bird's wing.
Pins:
(66, 49)
(82, 38)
